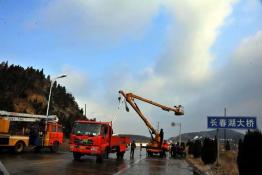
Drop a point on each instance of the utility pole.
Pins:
(179, 134)
(48, 102)
(85, 110)
(225, 131)
(217, 147)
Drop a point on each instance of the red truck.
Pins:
(89, 137)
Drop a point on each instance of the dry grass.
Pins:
(227, 164)
(228, 161)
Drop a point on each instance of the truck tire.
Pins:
(54, 148)
(37, 149)
(106, 153)
(76, 156)
(120, 155)
(162, 154)
(19, 147)
(99, 158)
(149, 154)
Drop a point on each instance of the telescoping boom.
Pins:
(15, 116)
(156, 144)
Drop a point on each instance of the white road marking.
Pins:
(47, 162)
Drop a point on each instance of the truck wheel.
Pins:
(106, 153)
(19, 147)
(118, 155)
(122, 155)
(76, 156)
(99, 158)
(149, 154)
(37, 149)
(162, 154)
(54, 148)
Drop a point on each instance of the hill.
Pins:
(230, 134)
(26, 90)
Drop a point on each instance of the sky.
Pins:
(203, 54)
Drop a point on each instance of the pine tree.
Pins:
(209, 151)
(190, 145)
(227, 146)
(197, 149)
(249, 158)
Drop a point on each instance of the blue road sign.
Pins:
(232, 122)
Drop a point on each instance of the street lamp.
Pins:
(174, 124)
(50, 91)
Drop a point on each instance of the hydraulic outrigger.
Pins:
(156, 145)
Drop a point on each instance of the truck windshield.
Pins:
(86, 129)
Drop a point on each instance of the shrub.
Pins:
(183, 145)
(249, 158)
(227, 146)
(209, 151)
(190, 145)
(197, 149)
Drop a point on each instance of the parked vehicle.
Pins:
(21, 130)
(90, 137)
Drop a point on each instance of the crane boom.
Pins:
(130, 99)
(156, 145)
(177, 110)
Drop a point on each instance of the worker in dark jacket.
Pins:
(161, 134)
(133, 147)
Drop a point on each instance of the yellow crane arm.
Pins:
(129, 97)
(178, 110)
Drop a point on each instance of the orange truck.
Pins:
(21, 130)
(90, 137)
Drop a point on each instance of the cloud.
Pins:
(193, 31)
(183, 73)
(77, 82)
(99, 21)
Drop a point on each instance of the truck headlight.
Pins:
(94, 148)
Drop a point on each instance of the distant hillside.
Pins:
(230, 134)
(137, 138)
(26, 90)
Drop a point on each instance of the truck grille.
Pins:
(83, 142)
(88, 142)
(4, 141)
(77, 141)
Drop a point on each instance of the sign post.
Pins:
(217, 147)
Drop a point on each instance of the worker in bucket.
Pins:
(133, 147)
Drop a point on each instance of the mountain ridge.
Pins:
(26, 90)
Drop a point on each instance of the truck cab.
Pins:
(89, 137)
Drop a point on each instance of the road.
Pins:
(61, 163)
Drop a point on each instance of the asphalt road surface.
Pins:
(61, 163)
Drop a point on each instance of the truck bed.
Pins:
(119, 140)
